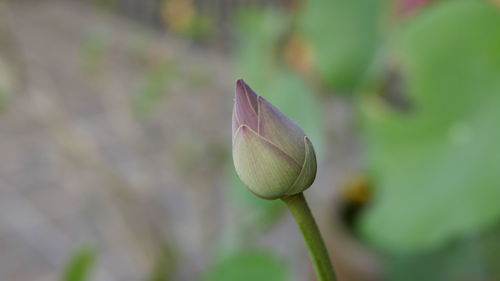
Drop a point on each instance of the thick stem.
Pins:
(305, 221)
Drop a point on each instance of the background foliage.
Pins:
(108, 125)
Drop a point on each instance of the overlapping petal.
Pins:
(245, 106)
(308, 171)
(264, 168)
(276, 127)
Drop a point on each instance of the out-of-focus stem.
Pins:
(305, 221)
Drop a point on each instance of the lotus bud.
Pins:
(272, 155)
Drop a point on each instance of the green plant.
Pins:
(275, 160)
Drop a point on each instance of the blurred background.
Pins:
(116, 145)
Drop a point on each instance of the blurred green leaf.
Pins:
(164, 265)
(202, 27)
(259, 33)
(248, 266)
(344, 37)
(80, 265)
(474, 257)
(436, 167)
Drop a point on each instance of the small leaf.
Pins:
(248, 266)
(80, 265)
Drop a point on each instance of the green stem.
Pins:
(305, 221)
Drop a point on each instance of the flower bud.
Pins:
(272, 155)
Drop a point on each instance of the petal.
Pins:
(280, 130)
(245, 105)
(250, 94)
(265, 169)
(308, 172)
(236, 123)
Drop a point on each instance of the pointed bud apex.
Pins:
(271, 153)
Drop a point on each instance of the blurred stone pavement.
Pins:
(80, 166)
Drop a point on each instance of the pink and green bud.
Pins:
(272, 155)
